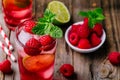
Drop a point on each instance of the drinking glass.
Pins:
(16, 11)
(38, 65)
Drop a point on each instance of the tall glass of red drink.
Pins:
(36, 54)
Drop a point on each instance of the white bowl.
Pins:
(103, 37)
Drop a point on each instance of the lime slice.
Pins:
(61, 11)
(38, 62)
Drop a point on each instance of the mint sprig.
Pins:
(94, 16)
(45, 26)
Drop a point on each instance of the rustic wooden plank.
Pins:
(1, 38)
(39, 8)
(15, 75)
(99, 56)
(102, 68)
(33, 8)
(63, 56)
(2, 55)
(63, 52)
(83, 62)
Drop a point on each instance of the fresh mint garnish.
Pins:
(48, 17)
(56, 32)
(94, 16)
(45, 26)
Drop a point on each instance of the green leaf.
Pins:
(48, 28)
(91, 23)
(39, 29)
(42, 20)
(100, 17)
(94, 16)
(98, 10)
(45, 26)
(83, 13)
(49, 16)
(56, 32)
(89, 14)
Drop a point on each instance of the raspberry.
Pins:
(84, 44)
(98, 29)
(32, 47)
(31, 51)
(95, 40)
(85, 22)
(74, 27)
(114, 58)
(46, 40)
(67, 70)
(5, 66)
(73, 38)
(33, 43)
(49, 47)
(29, 25)
(83, 30)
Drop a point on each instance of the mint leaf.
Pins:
(94, 16)
(98, 10)
(83, 13)
(39, 29)
(48, 28)
(100, 17)
(49, 16)
(42, 20)
(45, 26)
(56, 32)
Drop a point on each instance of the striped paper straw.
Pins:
(7, 51)
(10, 47)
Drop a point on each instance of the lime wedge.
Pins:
(61, 11)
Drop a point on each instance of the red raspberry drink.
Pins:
(36, 54)
(16, 11)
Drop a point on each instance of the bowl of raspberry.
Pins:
(81, 38)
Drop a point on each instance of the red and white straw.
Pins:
(10, 47)
(7, 51)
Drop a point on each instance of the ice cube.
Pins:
(48, 73)
(24, 37)
(20, 49)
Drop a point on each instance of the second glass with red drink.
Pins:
(16, 11)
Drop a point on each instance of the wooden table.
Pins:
(93, 66)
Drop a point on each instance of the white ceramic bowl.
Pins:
(103, 37)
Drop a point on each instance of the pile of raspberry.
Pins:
(84, 37)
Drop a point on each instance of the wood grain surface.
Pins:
(92, 66)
